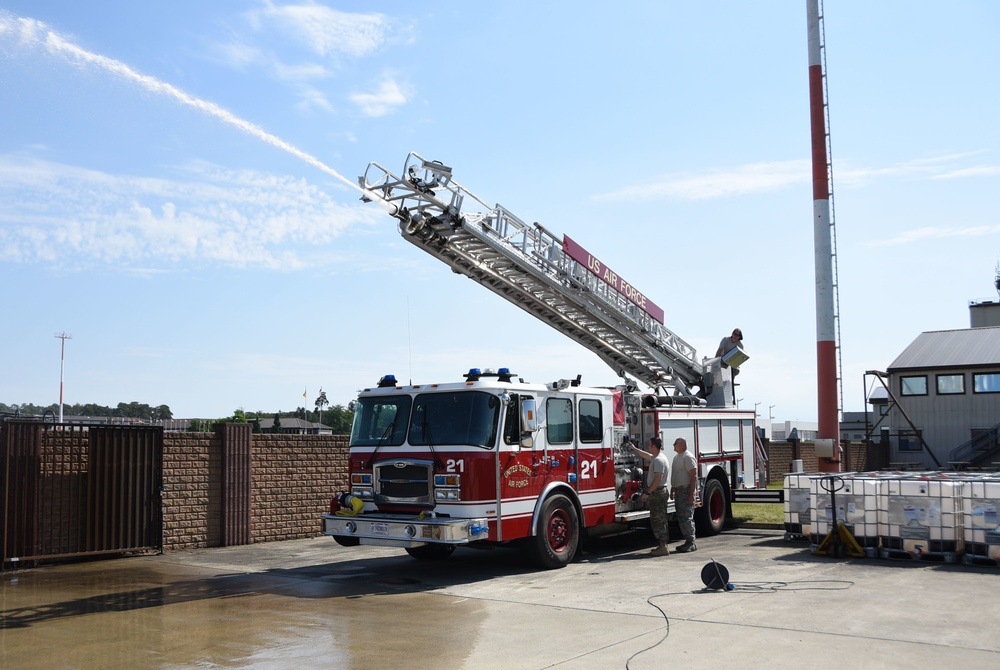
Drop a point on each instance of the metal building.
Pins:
(944, 407)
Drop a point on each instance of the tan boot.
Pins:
(662, 550)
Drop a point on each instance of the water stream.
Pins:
(29, 32)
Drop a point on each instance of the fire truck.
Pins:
(490, 459)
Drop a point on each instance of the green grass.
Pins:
(765, 513)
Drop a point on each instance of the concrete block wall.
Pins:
(292, 480)
(192, 490)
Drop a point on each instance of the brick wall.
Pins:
(292, 480)
(860, 459)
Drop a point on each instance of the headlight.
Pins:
(447, 487)
(363, 492)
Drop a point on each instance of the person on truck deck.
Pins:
(729, 343)
(655, 493)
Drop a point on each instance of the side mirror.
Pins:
(529, 422)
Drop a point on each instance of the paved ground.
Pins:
(312, 604)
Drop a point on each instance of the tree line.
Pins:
(130, 410)
(337, 417)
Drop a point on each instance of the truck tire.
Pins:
(711, 516)
(557, 536)
(431, 552)
(346, 541)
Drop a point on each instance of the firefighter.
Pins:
(655, 494)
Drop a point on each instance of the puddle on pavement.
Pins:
(142, 617)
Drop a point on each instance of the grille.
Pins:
(403, 481)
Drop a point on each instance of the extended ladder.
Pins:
(529, 267)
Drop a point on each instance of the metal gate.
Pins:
(77, 490)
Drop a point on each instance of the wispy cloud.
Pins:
(305, 43)
(75, 217)
(322, 30)
(976, 171)
(772, 176)
(934, 233)
(386, 98)
(721, 183)
(948, 166)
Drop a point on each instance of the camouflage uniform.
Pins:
(658, 497)
(658, 518)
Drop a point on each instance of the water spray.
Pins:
(33, 32)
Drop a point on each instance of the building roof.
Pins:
(951, 349)
(291, 422)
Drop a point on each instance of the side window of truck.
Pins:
(559, 420)
(512, 421)
(591, 423)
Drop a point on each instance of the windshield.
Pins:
(380, 417)
(464, 417)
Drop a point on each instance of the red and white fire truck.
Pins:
(491, 459)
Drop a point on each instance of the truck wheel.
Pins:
(557, 535)
(346, 541)
(431, 552)
(711, 516)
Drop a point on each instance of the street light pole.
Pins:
(62, 368)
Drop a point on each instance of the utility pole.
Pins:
(62, 368)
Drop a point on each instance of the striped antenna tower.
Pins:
(824, 236)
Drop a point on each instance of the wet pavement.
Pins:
(313, 604)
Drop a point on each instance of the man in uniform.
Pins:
(683, 486)
(655, 493)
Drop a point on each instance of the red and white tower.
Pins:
(826, 329)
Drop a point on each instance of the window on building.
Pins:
(913, 385)
(909, 441)
(950, 384)
(986, 382)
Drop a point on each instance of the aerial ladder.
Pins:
(533, 269)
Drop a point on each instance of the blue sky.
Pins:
(173, 187)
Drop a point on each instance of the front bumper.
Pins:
(400, 530)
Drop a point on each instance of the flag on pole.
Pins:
(305, 390)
